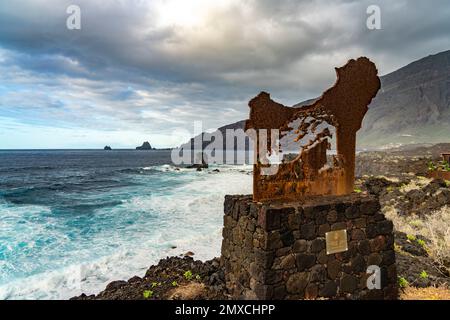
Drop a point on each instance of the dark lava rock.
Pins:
(329, 290)
(421, 201)
(116, 285)
(198, 166)
(349, 283)
(412, 261)
(416, 196)
(134, 279)
(376, 186)
(412, 247)
(434, 185)
(165, 277)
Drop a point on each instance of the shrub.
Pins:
(431, 166)
(147, 294)
(188, 275)
(420, 242)
(446, 166)
(416, 223)
(435, 227)
(402, 282)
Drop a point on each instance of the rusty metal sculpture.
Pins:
(342, 108)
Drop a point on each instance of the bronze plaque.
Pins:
(336, 241)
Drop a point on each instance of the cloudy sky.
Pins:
(146, 70)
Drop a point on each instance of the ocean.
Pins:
(73, 221)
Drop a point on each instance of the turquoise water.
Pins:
(72, 221)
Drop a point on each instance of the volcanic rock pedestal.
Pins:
(279, 251)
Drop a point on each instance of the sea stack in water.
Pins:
(107, 148)
(145, 146)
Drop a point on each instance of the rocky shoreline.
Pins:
(407, 197)
(183, 278)
(174, 278)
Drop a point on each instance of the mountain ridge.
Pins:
(412, 106)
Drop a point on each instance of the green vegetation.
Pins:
(412, 238)
(402, 282)
(188, 275)
(431, 166)
(357, 190)
(147, 294)
(445, 166)
(174, 284)
(197, 277)
(416, 223)
(441, 165)
(424, 275)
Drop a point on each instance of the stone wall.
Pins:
(278, 251)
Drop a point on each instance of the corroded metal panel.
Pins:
(341, 108)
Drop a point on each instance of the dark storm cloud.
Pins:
(265, 36)
(127, 67)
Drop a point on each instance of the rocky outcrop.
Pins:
(378, 185)
(145, 146)
(416, 266)
(420, 200)
(167, 280)
(108, 148)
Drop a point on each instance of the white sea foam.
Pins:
(129, 237)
